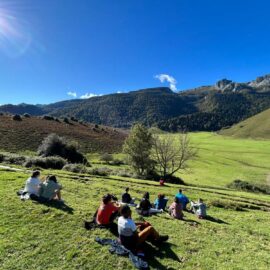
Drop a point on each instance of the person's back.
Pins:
(48, 189)
(126, 230)
(183, 199)
(199, 208)
(32, 185)
(161, 202)
(126, 198)
(105, 211)
(176, 209)
(145, 204)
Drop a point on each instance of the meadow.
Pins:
(236, 236)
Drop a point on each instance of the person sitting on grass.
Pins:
(107, 211)
(199, 208)
(183, 199)
(49, 190)
(161, 202)
(126, 198)
(130, 237)
(31, 188)
(145, 207)
(175, 209)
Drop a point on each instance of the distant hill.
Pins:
(28, 134)
(207, 108)
(257, 127)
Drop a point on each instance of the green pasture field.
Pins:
(223, 159)
(236, 236)
(36, 236)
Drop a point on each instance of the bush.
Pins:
(126, 173)
(117, 162)
(53, 145)
(48, 117)
(96, 126)
(244, 185)
(106, 158)
(13, 158)
(2, 157)
(26, 115)
(100, 171)
(66, 120)
(46, 162)
(74, 119)
(17, 117)
(76, 168)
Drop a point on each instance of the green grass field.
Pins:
(36, 236)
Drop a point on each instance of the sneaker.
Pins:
(163, 238)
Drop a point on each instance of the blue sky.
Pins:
(49, 48)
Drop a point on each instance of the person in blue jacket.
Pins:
(183, 199)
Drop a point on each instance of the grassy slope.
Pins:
(223, 159)
(257, 126)
(28, 134)
(34, 236)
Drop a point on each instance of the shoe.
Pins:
(163, 238)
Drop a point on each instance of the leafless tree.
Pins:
(171, 153)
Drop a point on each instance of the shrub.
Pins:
(244, 185)
(106, 158)
(2, 157)
(17, 117)
(76, 168)
(100, 171)
(46, 162)
(117, 162)
(66, 120)
(26, 115)
(48, 117)
(96, 126)
(53, 145)
(125, 173)
(74, 119)
(1, 113)
(13, 158)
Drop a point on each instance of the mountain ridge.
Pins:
(208, 107)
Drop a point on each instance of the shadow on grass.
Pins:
(216, 220)
(58, 205)
(163, 251)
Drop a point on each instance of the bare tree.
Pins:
(171, 153)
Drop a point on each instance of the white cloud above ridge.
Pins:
(89, 95)
(72, 94)
(167, 78)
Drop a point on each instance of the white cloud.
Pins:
(72, 94)
(167, 78)
(90, 95)
(119, 92)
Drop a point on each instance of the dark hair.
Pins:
(35, 173)
(146, 195)
(180, 190)
(125, 211)
(176, 200)
(52, 178)
(161, 196)
(127, 189)
(107, 198)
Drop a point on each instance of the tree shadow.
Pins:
(58, 205)
(216, 220)
(162, 251)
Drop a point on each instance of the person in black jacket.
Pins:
(126, 198)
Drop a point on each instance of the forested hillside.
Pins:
(206, 108)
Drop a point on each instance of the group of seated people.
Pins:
(133, 234)
(42, 191)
